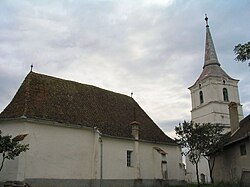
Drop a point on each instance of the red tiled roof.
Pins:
(49, 98)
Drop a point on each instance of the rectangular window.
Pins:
(129, 158)
(243, 150)
(201, 97)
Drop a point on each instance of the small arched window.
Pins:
(225, 94)
(201, 97)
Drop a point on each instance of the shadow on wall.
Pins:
(245, 179)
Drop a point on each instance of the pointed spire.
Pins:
(211, 66)
(210, 53)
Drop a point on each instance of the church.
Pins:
(82, 135)
(211, 95)
(213, 90)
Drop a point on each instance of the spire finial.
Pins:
(206, 19)
(31, 67)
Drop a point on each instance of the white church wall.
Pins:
(115, 158)
(213, 91)
(211, 113)
(11, 169)
(214, 113)
(202, 168)
(174, 160)
(61, 152)
(54, 152)
(214, 109)
(151, 160)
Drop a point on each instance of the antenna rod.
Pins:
(31, 67)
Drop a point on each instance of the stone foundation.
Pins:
(99, 183)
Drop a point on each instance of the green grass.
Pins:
(221, 184)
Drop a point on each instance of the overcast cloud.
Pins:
(153, 48)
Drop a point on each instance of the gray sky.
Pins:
(154, 48)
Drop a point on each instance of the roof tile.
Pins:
(49, 98)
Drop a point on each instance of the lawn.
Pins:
(222, 184)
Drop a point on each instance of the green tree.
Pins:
(11, 147)
(188, 138)
(199, 140)
(242, 52)
(212, 141)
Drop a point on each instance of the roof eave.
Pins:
(77, 126)
(247, 135)
(201, 79)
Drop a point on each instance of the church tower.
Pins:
(213, 90)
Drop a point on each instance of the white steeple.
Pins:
(213, 90)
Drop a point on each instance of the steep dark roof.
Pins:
(242, 132)
(228, 140)
(49, 98)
